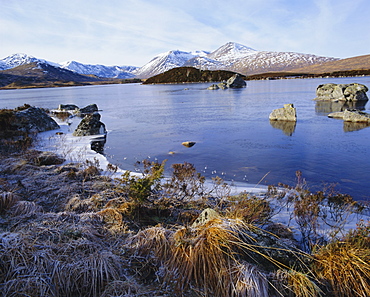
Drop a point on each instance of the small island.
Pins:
(190, 75)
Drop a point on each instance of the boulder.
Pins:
(342, 92)
(91, 108)
(34, 120)
(68, 107)
(90, 125)
(206, 215)
(188, 143)
(213, 87)
(236, 81)
(349, 115)
(287, 113)
(222, 85)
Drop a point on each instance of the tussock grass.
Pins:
(248, 281)
(345, 267)
(25, 208)
(7, 200)
(213, 259)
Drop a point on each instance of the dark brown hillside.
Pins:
(189, 75)
(349, 64)
(37, 75)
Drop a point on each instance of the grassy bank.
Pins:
(67, 229)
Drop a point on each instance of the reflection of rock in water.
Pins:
(97, 144)
(324, 107)
(350, 126)
(287, 127)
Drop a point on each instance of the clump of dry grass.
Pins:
(25, 208)
(251, 209)
(248, 281)
(345, 267)
(295, 283)
(213, 258)
(7, 200)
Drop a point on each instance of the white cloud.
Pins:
(134, 31)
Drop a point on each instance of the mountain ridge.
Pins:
(231, 56)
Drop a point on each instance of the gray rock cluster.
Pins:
(342, 92)
(34, 120)
(75, 110)
(234, 82)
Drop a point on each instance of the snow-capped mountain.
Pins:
(100, 70)
(233, 57)
(231, 52)
(167, 61)
(20, 59)
(230, 56)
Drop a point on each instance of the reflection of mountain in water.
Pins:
(325, 107)
(287, 127)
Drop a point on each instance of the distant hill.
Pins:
(40, 74)
(189, 75)
(354, 66)
(354, 63)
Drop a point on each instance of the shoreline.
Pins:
(78, 149)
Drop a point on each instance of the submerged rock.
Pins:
(287, 113)
(342, 92)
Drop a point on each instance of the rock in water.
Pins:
(287, 113)
(236, 81)
(342, 92)
(188, 143)
(90, 125)
(68, 107)
(89, 109)
(213, 87)
(348, 115)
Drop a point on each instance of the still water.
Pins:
(234, 137)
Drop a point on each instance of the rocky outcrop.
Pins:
(349, 115)
(236, 81)
(88, 109)
(342, 92)
(90, 125)
(287, 113)
(34, 120)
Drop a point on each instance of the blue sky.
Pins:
(132, 32)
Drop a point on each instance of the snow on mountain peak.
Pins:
(231, 51)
